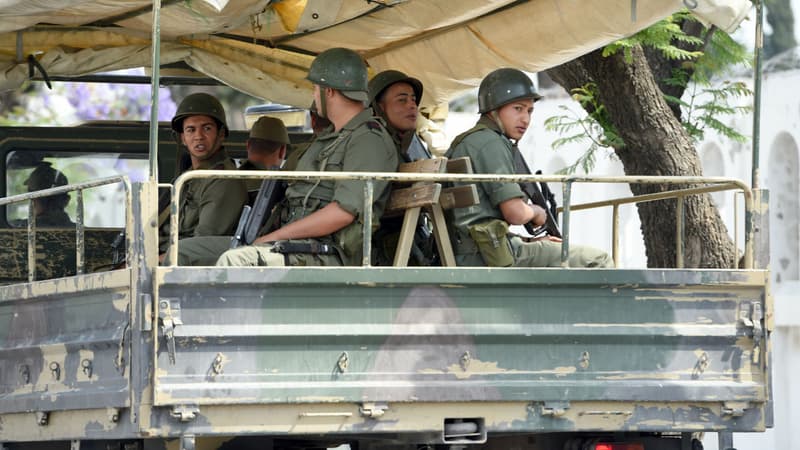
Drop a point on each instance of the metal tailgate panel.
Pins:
(294, 336)
(62, 343)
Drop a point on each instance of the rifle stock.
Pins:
(252, 219)
(541, 196)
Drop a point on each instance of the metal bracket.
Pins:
(735, 409)
(169, 314)
(42, 417)
(751, 315)
(113, 414)
(185, 413)
(373, 409)
(188, 442)
(555, 408)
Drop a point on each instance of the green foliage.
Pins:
(661, 36)
(703, 105)
(595, 129)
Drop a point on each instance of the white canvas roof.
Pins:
(264, 48)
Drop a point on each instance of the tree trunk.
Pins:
(655, 144)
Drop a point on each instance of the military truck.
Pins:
(100, 347)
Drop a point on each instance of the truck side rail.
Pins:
(79, 219)
(709, 184)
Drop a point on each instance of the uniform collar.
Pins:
(216, 160)
(487, 121)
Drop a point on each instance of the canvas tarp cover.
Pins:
(264, 48)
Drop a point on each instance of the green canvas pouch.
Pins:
(491, 238)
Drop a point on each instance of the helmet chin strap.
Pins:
(496, 117)
(322, 108)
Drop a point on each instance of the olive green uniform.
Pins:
(210, 207)
(491, 152)
(54, 218)
(362, 145)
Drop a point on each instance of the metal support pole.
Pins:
(154, 88)
(367, 249)
(679, 257)
(725, 440)
(565, 222)
(615, 235)
(759, 46)
(80, 252)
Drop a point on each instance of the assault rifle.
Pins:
(252, 218)
(540, 194)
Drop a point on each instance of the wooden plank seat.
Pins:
(433, 198)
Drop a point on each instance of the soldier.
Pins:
(505, 102)
(208, 207)
(319, 125)
(49, 211)
(395, 97)
(267, 144)
(321, 220)
(266, 148)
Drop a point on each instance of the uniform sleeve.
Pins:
(491, 155)
(221, 204)
(367, 152)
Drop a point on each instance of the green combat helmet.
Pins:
(383, 80)
(45, 177)
(270, 129)
(341, 69)
(503, 86)
(199, 104)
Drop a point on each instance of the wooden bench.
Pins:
(433, 198)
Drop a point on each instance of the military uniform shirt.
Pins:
(362, 145)
(211, 207)
(490, 152)
(54, 218)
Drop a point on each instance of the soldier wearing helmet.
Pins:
(395, 97)
(266, 149)
(321, 222)
(49, 211)
(505, 102)
(208, 207)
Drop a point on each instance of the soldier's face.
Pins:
(202, 137)
(400, 105)
(515, 117)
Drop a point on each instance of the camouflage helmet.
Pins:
(199, 104)
(383, 80)
(503, 86)
(45, 177)
(341, 69)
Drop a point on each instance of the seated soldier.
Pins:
(505, 102)
(395, 97)
(319, 125)
(266, 148)
(320, 223)
(208, 207)
(49, 211)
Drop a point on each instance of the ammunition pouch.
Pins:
(491, 238)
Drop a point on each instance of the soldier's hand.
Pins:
(539, 215)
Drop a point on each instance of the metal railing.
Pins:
(709, 184)
(79, 219)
